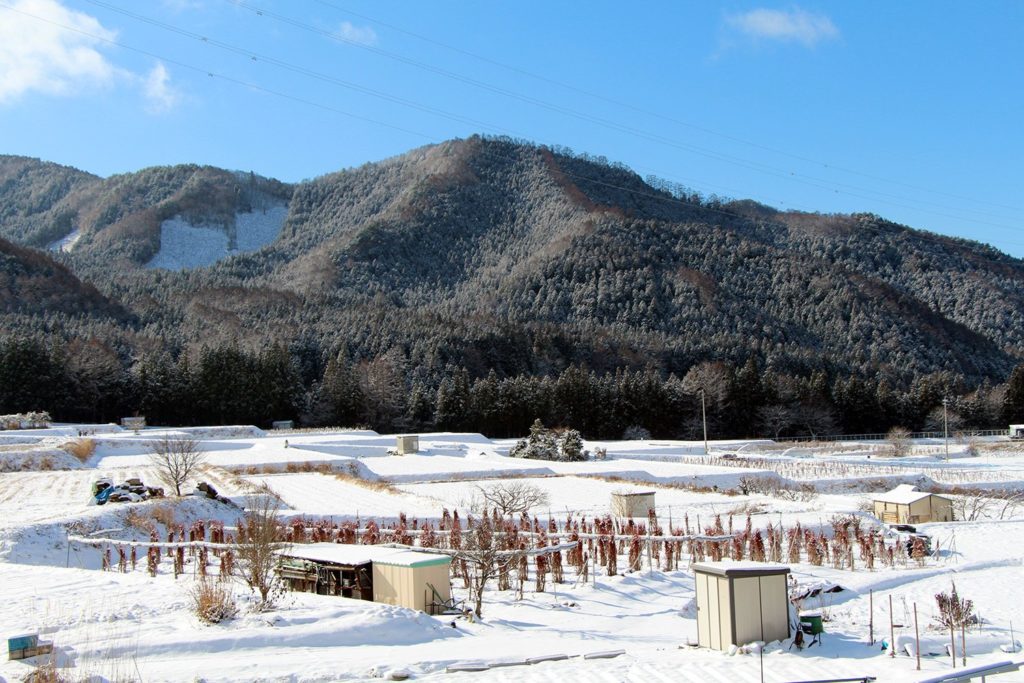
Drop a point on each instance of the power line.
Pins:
(295, 68)
(641, 110)
(945, 241)
(653, 137)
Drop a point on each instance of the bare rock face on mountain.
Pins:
(491, 253)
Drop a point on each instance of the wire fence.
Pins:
(882, 437)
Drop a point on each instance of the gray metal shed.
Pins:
(740, 603)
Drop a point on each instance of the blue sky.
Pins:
(910, 110)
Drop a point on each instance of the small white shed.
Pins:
(740, 603)
(632, 504)
(408, 444)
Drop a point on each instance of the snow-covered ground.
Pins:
(130, 626)
(184, 245)
(67, 243)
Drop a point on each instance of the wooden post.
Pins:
(892, 631)
(650, 560)
(917, 639)
(871, 617)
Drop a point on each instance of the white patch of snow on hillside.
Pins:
(67, 242)
(184, 245)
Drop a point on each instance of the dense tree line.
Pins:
(228, 385)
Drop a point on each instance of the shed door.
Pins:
(709, 612)
(703, 611)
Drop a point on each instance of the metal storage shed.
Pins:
(906, 505)
(394, 576)
(632, 504)
(740, 603)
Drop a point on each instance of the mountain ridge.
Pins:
(569, 258)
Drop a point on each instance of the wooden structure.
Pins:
(906, 505)
(408, 444)
(394, 576)
(23, 647)
(740, 603)
(133, 423)
(282, 424)
(632, 504)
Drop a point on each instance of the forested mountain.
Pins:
(483, 255)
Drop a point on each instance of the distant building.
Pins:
(1017, 431)
(906, 505)
(632, 504)
(133, 423)
(408, 444)
(394, 576)
(740, 603)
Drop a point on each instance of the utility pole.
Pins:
(945, 426)
(704, 420)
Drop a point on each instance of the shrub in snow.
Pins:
(545, 444)
(636, 433)
(212, 602)
(898, 440)
(82, 449)
(31, 420)
(955, 612)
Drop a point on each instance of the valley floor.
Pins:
(130, 626)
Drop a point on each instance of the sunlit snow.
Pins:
(184, 245)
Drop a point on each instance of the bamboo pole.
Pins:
(892, 631)
(871, 617)
(917, 639)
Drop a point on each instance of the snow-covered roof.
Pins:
(904, 494)
(347, 554)
(740, 568)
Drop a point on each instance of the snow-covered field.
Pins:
(131, 626)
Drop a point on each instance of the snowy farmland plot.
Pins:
(569, 593)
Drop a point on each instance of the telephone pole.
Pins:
(945, 425)
(704, 420)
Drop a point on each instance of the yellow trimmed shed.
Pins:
(906, 505)
(740, 603)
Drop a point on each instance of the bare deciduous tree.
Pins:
(482, 552)
(775, 418)
(259, 539)
(972, 504)
(176, 459)
(514, 497)
(898, 440)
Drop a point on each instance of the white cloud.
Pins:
(364, 35)
(48, 48)
(161, 96)
(795, 25)
(37, 54)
